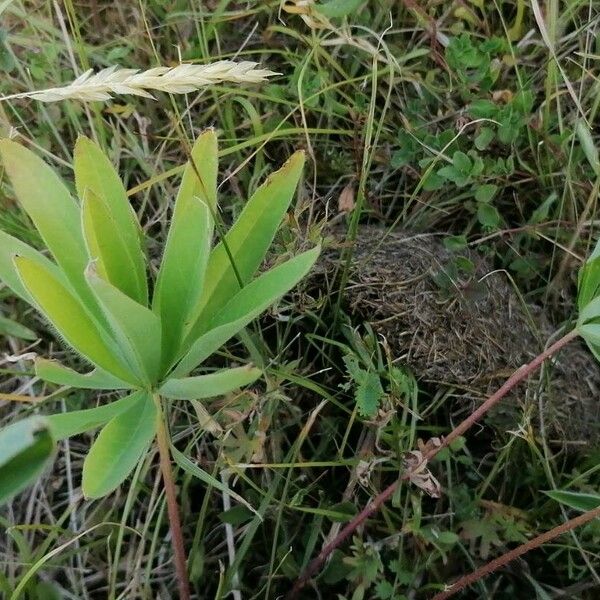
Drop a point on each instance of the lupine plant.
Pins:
(141, 335)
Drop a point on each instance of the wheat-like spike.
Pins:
(181, 79)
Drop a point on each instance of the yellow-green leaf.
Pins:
(53, 372)
(52, 209)
(95, 173)
(182, 271)
(118, 448)
(68, 315)
(247, 242)
(200, 174)
(136, 328)
(67, 424)
(208, 386)
(11, 247)
(108, 249)
(245, 306)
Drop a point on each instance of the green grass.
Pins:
(379, 105)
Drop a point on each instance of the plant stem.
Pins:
(516, 378)
(495, 564)
(162, 438)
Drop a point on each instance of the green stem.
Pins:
(162, 439)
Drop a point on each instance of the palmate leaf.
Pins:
(245, 306)
(68, 315)
(53, 372)
(209, 386)
(107, 248)
(25, 448)
(52, 209)
(95, 174)
(247, 242)
(136, 328)
(119, 447)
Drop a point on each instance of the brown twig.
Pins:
(495, 564)
(162, 438)
(518, 376)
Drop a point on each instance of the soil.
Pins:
(458, 323)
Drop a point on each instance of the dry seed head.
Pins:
(181, 79)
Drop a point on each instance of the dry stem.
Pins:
(518, 376)
(162, 438)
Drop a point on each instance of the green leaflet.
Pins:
(65, 425)
(247, 241)
(135, 327)
(53, 372)
(589, 281)
(209, 386)
(245, 306)
(51, 208)
(25, 448)
(204, 163)
(107, 248)
(577, 500)
(183, 267)
(119, 447)
(95, 173)
(11, 247)
(66, 313)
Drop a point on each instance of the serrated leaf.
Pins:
(67, 424)
(247, 242)
(487, 215)
(136, 328)
(182, 272)
(369, 394)
(53, 372)
(577, 500)
(25, 448)
(245, 306)
(107, 248)
(68, 315)
(119, 447)
(95, 174)
(52, 209)
(484, 138)
(209, 386)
